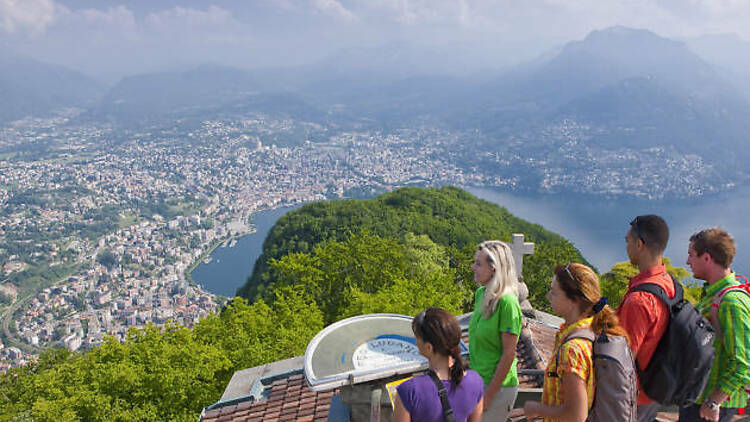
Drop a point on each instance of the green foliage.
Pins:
(400, 253)
(106, 258)
(366, 273)
(255, 334)
(614, 283)
(36, 277)
(156, 375)
(537, 268)
(159, 374)
(450, 217)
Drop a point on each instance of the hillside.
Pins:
(32, 88)
(450, 217)
(400, 252)
(633, 87)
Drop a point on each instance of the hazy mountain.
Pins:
(641, 89)
(32, 88)
(641, 113)
(603, 58)
(636, 88)
(729, 52)
(174, 92)
(725, 50)
(204, 92)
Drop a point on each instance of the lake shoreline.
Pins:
(595, 225)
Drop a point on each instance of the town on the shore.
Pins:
(101, 227)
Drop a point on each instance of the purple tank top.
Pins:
(420, 397)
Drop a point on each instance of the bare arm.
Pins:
(574, 407)
(476, 414)
(502, 369)
(399, 413)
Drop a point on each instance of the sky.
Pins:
(110, 39)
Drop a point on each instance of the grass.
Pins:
(126, 219)
(184, 208)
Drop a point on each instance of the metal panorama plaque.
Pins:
(383, 352)
(361, 349)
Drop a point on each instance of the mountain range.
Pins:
(639, 89)
(636, 88)
(32, 88)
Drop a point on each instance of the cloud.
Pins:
(554, 18)
(27, 16)
(112, 23)
(212, 26)
(336, 9)
(213, 16)
(148, 34)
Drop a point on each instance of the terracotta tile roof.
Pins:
(289, 399)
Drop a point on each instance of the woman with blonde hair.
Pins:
(495, 326)
(568, 392)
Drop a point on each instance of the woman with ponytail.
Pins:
(495, 326)
(568, 391)
(438, 335)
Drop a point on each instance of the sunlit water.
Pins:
(595, 225)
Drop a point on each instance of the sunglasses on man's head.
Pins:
(637, 230)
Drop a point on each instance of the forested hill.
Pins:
(453, 219)
(400, 252)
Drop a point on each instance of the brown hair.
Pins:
(440, 328)
(581, 283)
(717, 242)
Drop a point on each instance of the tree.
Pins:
(614, 283)
(450, 217)
(106, 258)
(367, 273)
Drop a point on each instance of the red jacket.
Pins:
(645, 317)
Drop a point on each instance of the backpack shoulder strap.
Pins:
(717, 299)
(713, 311)
(659, 292)
(584, 333)
(447, 411)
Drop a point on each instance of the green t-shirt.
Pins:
(485, 342)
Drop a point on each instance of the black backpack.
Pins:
(680, 366)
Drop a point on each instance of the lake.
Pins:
(230, 267)
(595, 225)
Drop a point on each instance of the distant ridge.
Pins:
(203, 92)
(32, 88)
(638, 89)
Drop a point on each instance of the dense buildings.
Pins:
(99, 226)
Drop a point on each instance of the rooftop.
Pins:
(278, 391)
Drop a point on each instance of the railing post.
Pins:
(375, 396)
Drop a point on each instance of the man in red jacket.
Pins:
(642, 314)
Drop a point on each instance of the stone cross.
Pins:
(520, 248)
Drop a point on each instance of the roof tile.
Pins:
(290, 399)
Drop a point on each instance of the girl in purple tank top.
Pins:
(438, 335)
